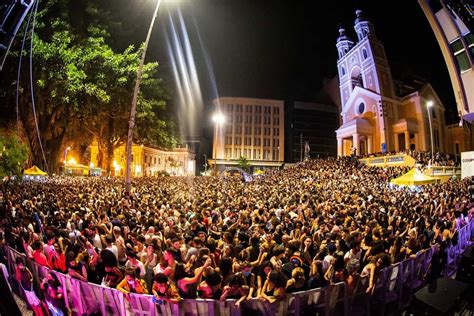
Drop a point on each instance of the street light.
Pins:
(218, 118)
(429, 105)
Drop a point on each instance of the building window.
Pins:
(436, 138)
(461, 55)
(364, 53)
(361, 108)
(276, 120)
(276, 110)
(469, 37)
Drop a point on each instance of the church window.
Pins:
(343, 71)
(364, 53)
(361, 108)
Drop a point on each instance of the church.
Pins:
(377, 115)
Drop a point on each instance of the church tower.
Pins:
(365, 64)
(365, 83)
(374, 119)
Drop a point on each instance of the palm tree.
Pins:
(244, 164)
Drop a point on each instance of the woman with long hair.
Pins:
(187, 284)
(274, 288)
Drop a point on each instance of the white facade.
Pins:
(374, 119)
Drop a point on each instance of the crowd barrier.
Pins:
(394, 288)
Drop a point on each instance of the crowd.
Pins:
(423, 158)
(319, 222)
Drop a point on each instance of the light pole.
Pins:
(429, 105)
(218, 118)
(65, 157)
(205, 163)
(133, 110)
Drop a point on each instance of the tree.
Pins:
(13, 155)
(83, 88)
(244, 164)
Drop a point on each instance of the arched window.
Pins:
(343, 71)
(364, 53)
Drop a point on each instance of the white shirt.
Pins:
(114, 250)
(138, 264)
(351, 255)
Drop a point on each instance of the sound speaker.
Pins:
(465, 271)
(440, 297)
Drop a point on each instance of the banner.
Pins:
(467, 164)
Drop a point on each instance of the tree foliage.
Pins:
(13, 155)
(83, 88)
(243, 163)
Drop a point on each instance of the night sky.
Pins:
(285, 49)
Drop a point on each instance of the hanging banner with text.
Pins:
(467, 164)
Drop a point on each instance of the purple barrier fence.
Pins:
(394, 284)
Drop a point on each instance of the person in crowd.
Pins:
(297, 283)
(25, 279)
(38, 255)
(164, 290)
(132, 284)
(315, 215)
(376, 264)
(76, 268)
(113, 276)
(274, 288)
(57, 258)
(54, 296)
(235, 289)
(134, 263)
(211, 287)
(187, 283)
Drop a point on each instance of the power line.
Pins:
(31, 86)
(19, 72)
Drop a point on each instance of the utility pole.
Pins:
(205, 163)
(301, 146)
